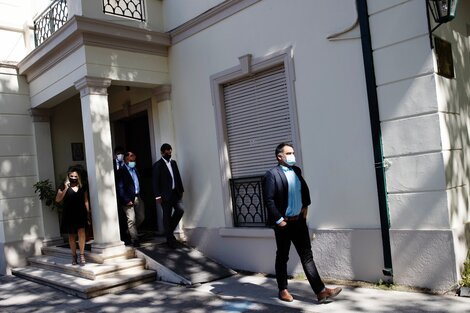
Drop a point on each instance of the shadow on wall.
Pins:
(457, 95)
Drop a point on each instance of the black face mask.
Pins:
(73, 180)
(167, 157)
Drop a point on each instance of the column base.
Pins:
(109, 250)
(54, 241)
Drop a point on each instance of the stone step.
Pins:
(89, 270)
(83, 287)
(90, 256)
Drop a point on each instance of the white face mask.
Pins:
(120, 157)
(290, 159)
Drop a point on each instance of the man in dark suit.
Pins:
(118, 163)
(128, 187)
(287, 198)
(168, 191)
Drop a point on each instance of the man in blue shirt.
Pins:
(128, 187)
(287, 198)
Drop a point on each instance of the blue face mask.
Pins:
(131, 164)
(290, 159)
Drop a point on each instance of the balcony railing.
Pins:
(247, 199)
(50, 21)
(133, 9)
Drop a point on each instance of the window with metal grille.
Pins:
(257, 118)
(133, 9)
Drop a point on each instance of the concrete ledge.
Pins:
(246, 232)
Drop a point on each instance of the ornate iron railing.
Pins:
(133, 9)
(50, 21)
(247, 199)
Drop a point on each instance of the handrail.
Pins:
(50, 20)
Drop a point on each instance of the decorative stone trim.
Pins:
(40, 115)
(209, 18)
(81, 31)
(245, 63)
(92, 86)
(162, 93)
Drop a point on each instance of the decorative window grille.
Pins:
(53, 18)
(133, 9)
(257, 119)
(248, 202)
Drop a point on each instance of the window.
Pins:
(255, 111)
(133, 9)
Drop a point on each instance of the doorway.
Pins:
(132, 133)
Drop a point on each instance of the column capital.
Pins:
(40, 115)
(162, 93)
(92, 86)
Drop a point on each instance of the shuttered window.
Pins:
(257, 119)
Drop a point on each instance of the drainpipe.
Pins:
(376, 133)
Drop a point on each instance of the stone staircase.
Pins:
(97, 277)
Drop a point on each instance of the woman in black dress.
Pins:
(76, 212)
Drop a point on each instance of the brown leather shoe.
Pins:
(328, 293)
(284, 295)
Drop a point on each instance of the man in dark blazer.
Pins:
(168, 191)
(287, 198)
(128, 189)
(118, 162)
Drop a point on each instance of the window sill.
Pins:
(246, 232)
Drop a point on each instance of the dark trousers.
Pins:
(297, 233)
(173, 211)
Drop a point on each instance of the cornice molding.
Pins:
(209, 18)
(40, 115)
(162, 93)
(93, 86)
(81, 31)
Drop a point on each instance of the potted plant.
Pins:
(46, 193)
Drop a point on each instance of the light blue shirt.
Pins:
(294, 200)
(134, 178)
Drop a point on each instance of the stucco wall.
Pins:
(334, 126)
(177, 12)
(415, 145)
(16, 27)
(20, 217)
(333, 119)
(453, 98)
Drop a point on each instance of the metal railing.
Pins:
(247, 199)
(133, 9)
(53, 18)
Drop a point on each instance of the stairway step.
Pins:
(89, 270)
(90, 256)
(86, 288)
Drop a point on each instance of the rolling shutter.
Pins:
(258, 118)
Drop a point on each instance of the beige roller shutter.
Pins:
(258, 118)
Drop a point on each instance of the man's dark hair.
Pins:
(164, 147)
(128, 153)
(119, 149)
(281, 146)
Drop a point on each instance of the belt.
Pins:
(292, 218)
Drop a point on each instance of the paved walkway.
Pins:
(232, 295)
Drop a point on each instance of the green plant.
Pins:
(46, 193)
(384, 285)
(465, 282)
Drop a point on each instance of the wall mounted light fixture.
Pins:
(442, 11)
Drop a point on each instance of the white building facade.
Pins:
(382, 135)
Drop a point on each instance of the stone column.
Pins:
(164, 132)
(45, 170)
(99, 154)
